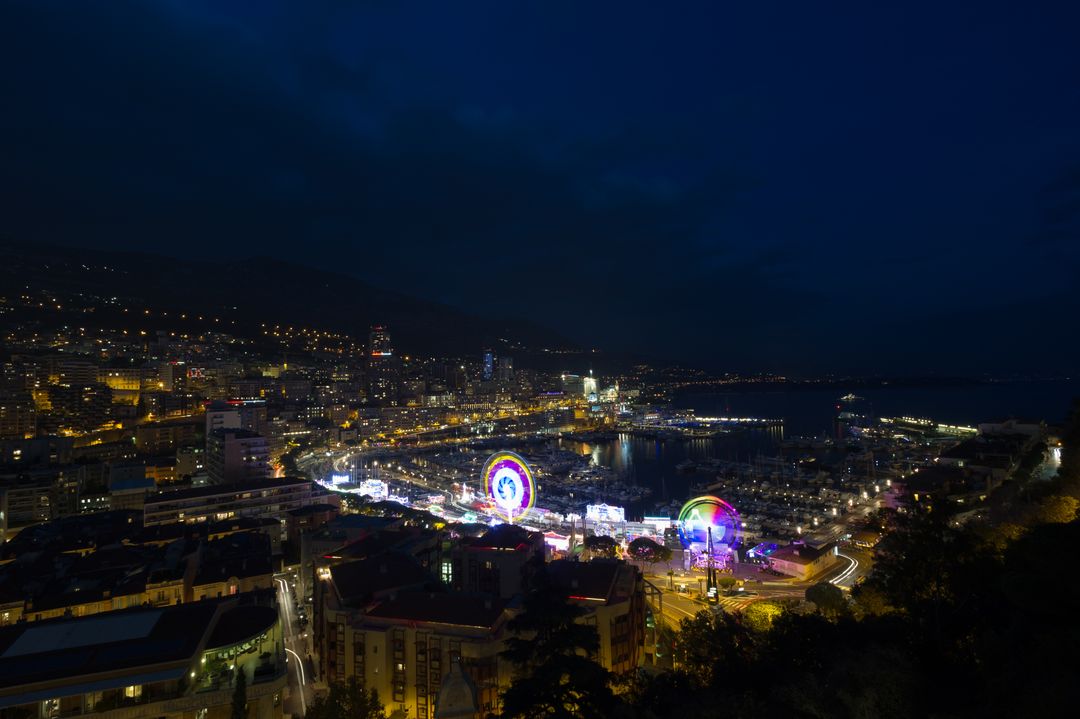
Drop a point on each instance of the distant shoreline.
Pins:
(854, 383)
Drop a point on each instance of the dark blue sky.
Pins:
(793, 186)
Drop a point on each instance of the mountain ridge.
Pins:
(263, 289)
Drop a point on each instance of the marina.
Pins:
(786, 488)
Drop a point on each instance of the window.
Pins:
(447, 571)
(133, 692)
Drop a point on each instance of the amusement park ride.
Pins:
(509, 485)
(709, 528)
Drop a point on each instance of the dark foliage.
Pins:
(347, 700)
(954, 621)
(601, 546)
(552, 655)
(648, 551)
(239, 698)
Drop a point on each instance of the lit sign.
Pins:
(336, 479)
(605, 513)
(374, 488)
(658, 523)
(508, 482)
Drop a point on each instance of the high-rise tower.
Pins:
(383, 368)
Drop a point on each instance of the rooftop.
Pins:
(229, 488)
(127, 639)
(235, 433)
(801, 553)
(467, 610)
(598, 580)
(357, 582)
(240, 623)
(312, 509)
(505, 537)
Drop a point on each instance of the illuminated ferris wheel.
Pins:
(708, 528)
(509, 485)
(708, 518)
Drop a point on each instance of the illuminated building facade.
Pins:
(504, 369)
(378, 620)
(18, 416)
(572, 385)
(157, 437)
(261, 498)
(613, 595)
(236, 414)
(236, 455)
(383, 368)
(491, 564)
(589, 387)
(406, 646)
(803, 561)
(81, 407)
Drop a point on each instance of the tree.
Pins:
(1057, 509)
(828, 598)
(239, 697)
(601, 546)
(550, 650)
(347, 700)
(646, 550)
(760, 616)
(715, 649)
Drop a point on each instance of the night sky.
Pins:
(793, 186)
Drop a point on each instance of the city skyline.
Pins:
(538, 359)
(784, 189)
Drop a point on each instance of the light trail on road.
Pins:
(300, 673)
(847, 572)
(303, 675)
(285, 602)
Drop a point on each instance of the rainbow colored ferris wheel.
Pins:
(509, 485)
(708, 520)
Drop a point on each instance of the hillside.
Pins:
(247, 293)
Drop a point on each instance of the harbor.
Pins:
(785, 488)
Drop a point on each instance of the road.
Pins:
(681, 603)
(855, 564)
(301, 685)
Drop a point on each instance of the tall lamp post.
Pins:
(710, 571)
